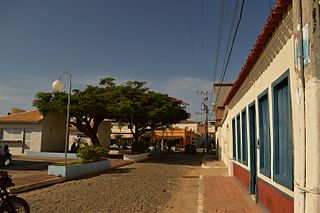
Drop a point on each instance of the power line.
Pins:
(232, 31)
(202, 29)
(219, 39)
(233, 40)
(270, 6)
(192, 41)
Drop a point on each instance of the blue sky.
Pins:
(144, 40)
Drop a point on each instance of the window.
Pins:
(282, 128)
(11, 134)
(238, 138)
(264, 134)
(244, 137)
(234, 152)
(28, 133)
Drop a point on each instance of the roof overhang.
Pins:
(273, 22)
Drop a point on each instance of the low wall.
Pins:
(51, 154)
(242, 174)
(138, 157)
(78, 170)
(273, 199)
(114, 152)
(270, 197)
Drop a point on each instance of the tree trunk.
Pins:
(136, 137)
(91, 133)
(94, 138)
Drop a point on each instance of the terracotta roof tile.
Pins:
(23, 117)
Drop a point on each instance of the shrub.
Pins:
(139, 147)
(77, 144)
(92, 153)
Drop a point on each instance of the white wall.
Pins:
(276, 59)
(16, 145)
(53, 127)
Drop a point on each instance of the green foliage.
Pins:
(88, 108)
(139, 147)
(92, 153)
(146, 110)
(131, 102)
(77, 144)
(119, 140)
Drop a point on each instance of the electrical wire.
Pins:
(192, 41)
(270, 10)
(311, 190)
(220, 31)
(202, 29)
(232, 44)
(231, 32)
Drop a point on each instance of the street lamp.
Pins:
(58, 85)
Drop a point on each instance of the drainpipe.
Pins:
(300, 148)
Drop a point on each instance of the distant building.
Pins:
(189, 125)
(31, 131)
(119, 128)
(220, 92)
(181, 136)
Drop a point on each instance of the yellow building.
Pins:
(181, 136)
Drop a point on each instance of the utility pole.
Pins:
(206, 112)
(197, 114)
(306, 31)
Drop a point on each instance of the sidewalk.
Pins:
(208, 189)
(222, 193)
(32, 179)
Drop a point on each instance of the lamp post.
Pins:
(58, 85)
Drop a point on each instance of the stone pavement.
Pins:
(32, 172)
(222, 193)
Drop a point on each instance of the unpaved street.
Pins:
(139, 187)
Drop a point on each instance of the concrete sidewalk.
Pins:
(33, 178)
(220, 192)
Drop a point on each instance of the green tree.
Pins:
(131, 102)
(88, 108)
(147, 110)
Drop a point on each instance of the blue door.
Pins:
(253, 151)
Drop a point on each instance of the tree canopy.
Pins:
(131, 102)
(88, 108)
(147, 110)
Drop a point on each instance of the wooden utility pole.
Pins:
(206, 112)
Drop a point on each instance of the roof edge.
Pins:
(273, 22)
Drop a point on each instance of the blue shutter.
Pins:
(238, 138)
(244, 138)
(283, 149)
(234, 152)
(264, 135)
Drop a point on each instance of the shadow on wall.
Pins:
(275, 45)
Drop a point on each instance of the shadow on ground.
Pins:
(178, 158)
(27, 165)
(119, 171)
